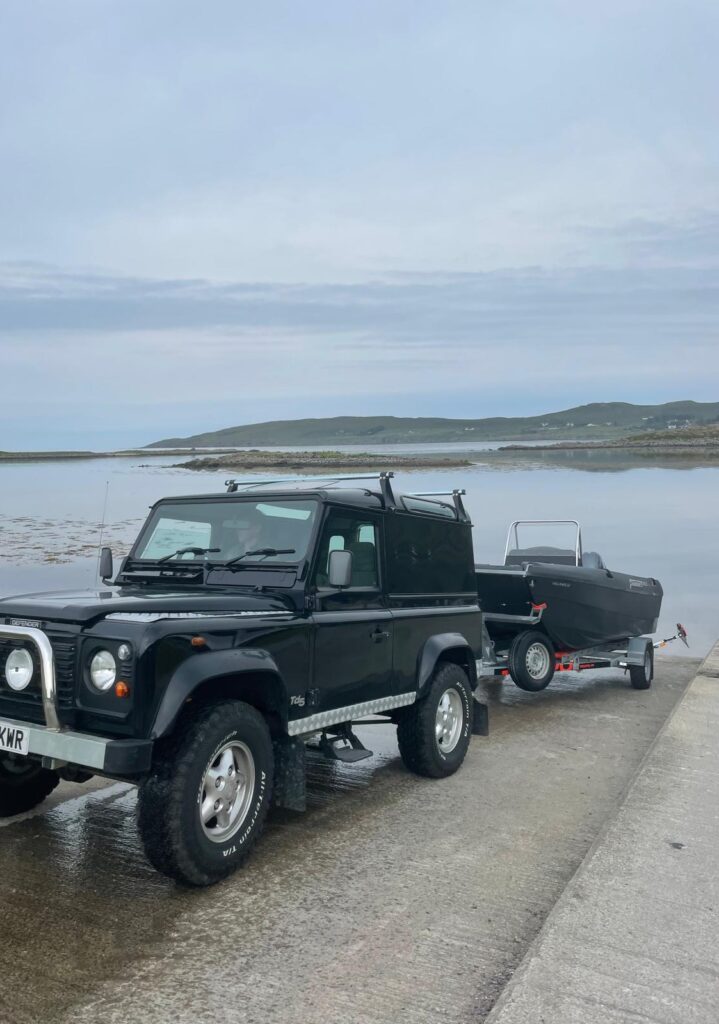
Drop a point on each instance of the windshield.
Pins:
(217, 531)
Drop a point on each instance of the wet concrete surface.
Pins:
(642, 943)
(392, 898)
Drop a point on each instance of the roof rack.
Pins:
(383, 478)
(455, 494)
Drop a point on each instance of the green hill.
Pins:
(597, 420)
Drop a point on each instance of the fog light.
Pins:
(124, 652)
(19, 668)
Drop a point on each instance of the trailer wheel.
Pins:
(641, 676)
(531, 661)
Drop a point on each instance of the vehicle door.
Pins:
(352, 662)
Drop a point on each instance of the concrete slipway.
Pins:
(635, 936)
(402, 899)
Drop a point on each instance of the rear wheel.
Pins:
(23, 784)
(531, 661)
(203, 807)
(434, 733)
(641, 676)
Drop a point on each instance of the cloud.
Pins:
(692, 242)
(139, 358)
(462, 208)
(527, 304)
(337, 141)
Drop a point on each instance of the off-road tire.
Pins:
(23, 785)
(522, 648)
(169, 798)
(416, 729)
(641, 676)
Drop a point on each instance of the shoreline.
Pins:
(660, 448)
(688, 449)
(304, 462)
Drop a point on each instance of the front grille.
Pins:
(65, 650)
(27, 704)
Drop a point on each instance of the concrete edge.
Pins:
(519, 977)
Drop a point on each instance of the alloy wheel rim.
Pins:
(226, 791)
(448, 720)
(537, 660)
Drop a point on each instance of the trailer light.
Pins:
(122, 689)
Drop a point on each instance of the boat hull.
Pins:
(576, 607)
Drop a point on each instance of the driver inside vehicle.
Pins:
(241, 536)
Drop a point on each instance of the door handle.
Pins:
(378, 635)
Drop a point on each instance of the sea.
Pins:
(644, 519)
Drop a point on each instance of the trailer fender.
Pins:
(637, 649)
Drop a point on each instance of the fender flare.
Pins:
(434, 648)
(205, 666)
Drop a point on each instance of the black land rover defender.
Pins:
(241, 626)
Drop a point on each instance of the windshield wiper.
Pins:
(187, 551)
(265, 552)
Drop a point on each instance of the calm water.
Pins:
(649, 521)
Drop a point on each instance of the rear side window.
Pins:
(435, 508)
(426, 556)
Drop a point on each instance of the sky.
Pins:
(228, 213)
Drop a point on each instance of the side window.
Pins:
(346, 531)
(427, 556)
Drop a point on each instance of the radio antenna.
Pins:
(102, 524)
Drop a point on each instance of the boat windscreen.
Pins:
(556, 541)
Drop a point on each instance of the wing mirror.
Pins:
(106, 567)
(339, 569)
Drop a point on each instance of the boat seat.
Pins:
(542, 553)
(593, 560)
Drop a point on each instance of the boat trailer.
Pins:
(628, 652)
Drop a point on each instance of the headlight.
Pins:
(103, 670)
(19, 668)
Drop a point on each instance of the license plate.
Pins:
(15, 739)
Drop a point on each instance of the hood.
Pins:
(87, 606)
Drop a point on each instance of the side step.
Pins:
(341, 744)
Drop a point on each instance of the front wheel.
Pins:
(531, 661)
(434, 733)
(641, 676)
(23, 784)
(203, 807)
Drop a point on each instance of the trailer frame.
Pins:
(625, 653)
